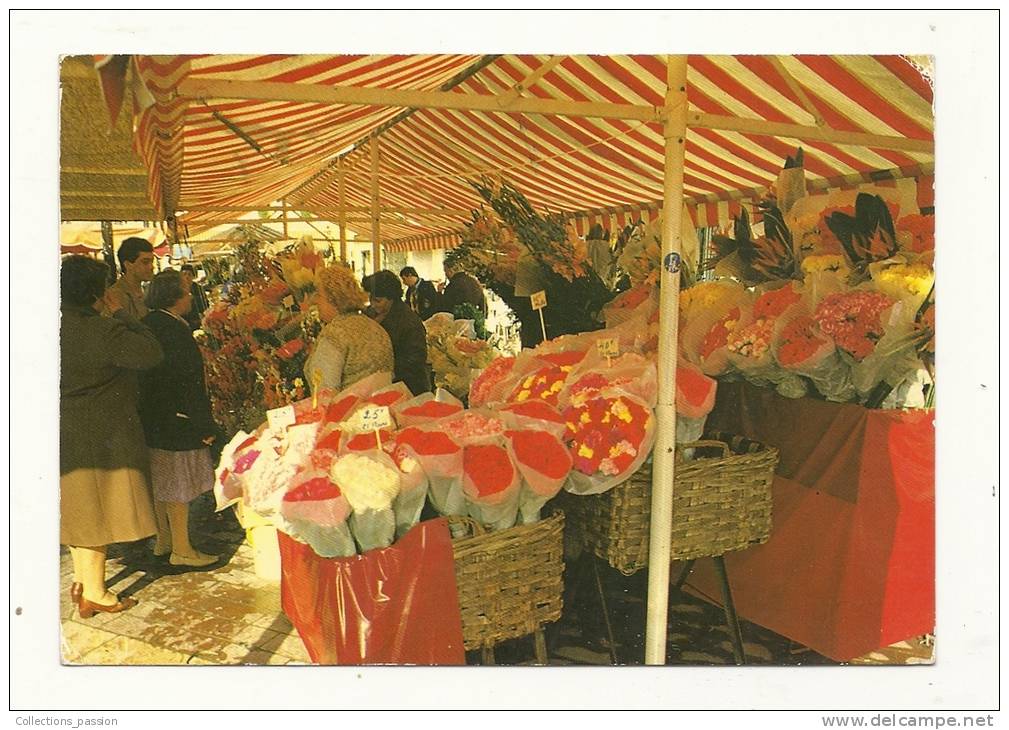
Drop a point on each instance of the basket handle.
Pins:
(705, 443)
(474, 527)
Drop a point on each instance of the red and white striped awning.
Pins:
(211, 154)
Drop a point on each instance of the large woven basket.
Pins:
(510, 582)
(721, 502)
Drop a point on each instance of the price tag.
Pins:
(609, 347)
(289, 301)
(374, 418)
(281, 418)
(538, 300)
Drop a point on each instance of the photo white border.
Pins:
(968, 509)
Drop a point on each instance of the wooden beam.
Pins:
(125, 171)
(321, 210)
(197, 88)
(796, 89)
(126, 194)
(800, 132)
(530, 81)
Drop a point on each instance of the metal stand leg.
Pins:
(730, 611)
(606, 613)
(541, 646)
(487, 656)
(684, 574)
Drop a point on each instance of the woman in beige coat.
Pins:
(104, 497)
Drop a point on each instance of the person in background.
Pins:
(405, 329)
(420, 296)
(178, 426)
(351, 346)
(104, 497)
(461, 289)
(200, 303)
(136, 258)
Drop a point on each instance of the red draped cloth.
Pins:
(393, 606)
(850, 564)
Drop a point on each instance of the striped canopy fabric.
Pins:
(216, 158)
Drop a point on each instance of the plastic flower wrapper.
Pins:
(634, 304)
(544, 465)
(314, 511)
(802, 348)
(390, 396)
(427, 408)
(824, 274)
(370, 482)
(440, 458)
(903, 280)
(708, 322)
(236, 459)
(284, 453)
(490, 485)
(487, 388)
(532, 415)
(409, 503)
(894, 359)
(608, 438)
(695, 397)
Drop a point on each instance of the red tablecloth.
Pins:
(850, 564)
(393, 606)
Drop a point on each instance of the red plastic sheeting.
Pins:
(393, 606)
(845, 571)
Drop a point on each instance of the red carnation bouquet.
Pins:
(237, 457)
(532, 415)
(544, 464)
(710, 313)
(314, 511)
(695, 397)
(427, 408)
(409, 503)
(440, 458)
(490, 485)
(629, 373)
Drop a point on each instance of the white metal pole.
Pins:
(663, 458)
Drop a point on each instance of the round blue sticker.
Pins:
(672, 262)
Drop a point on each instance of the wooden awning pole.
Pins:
(376, 241)
(342, 180)
(663, 457)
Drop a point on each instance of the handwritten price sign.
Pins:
(538, 300)
(281, 418)
(374, 418)
(608, 347)
(289, 301)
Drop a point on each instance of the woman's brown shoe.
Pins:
(76, 593)
(87, 609)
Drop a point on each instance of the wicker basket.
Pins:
(720, 503)
(510, 582)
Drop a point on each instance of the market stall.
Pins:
(613, 138)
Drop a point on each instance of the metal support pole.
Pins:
(376, 241)
(663, 459)
(108, 251)
(343, 210)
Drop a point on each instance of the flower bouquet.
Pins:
(456, 352)
(695, 397)
(710, 312)
(237, 457)
(440, 458)
(532, 414)
(427, 408)
(409, 503)
(488, 387)
(370, 482)
(608, 438)
(314, 511)
(544, 465)
(491, 485)
(804, 349)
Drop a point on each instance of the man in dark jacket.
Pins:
(461, 289)
(420, 294)
(405, 329)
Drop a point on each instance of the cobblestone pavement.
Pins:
(227, 615)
